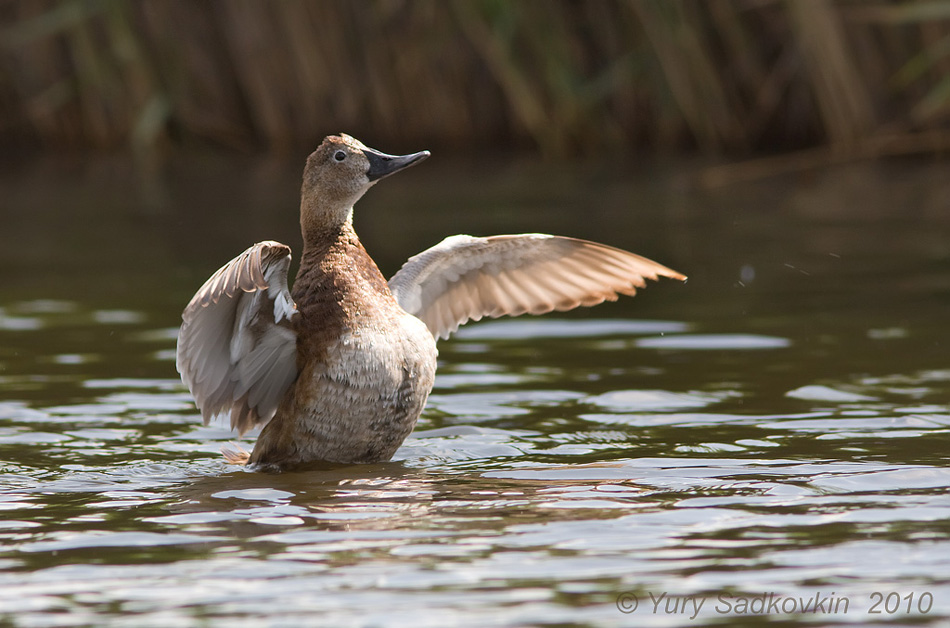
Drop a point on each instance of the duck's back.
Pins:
(366, 367)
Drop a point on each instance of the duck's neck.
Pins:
(320, 240)
(323, 219)
(334, 259)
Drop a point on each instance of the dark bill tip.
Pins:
(382, 165)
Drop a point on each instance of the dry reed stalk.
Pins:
(249, 33)
(727, 75)
(522, 98)
(694, 83)
(836, 81)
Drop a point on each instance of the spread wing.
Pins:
(465, 278)
(237, 350)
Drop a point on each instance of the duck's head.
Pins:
(338, 173)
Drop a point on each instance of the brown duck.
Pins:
(339, 368)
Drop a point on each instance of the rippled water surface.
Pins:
(768, 441)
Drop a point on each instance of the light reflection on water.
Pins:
(699, 440)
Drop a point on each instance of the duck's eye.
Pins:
(339, 155)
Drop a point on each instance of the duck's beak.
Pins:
(382, 165)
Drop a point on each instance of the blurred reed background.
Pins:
(734, 77)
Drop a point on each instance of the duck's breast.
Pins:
(384, 356)
(360, 401)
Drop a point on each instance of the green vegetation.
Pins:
(844, 77)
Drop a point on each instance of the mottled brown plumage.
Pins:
(340, 368)
(366, 366)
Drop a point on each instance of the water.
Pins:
(766, 442)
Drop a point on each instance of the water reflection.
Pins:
(757, 430)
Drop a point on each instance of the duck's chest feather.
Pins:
(350, 326)
(366, 367)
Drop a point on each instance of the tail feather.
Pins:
(235, 456)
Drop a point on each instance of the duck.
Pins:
(337, 368)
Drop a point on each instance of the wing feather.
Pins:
(237, 348)
(465, 278)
